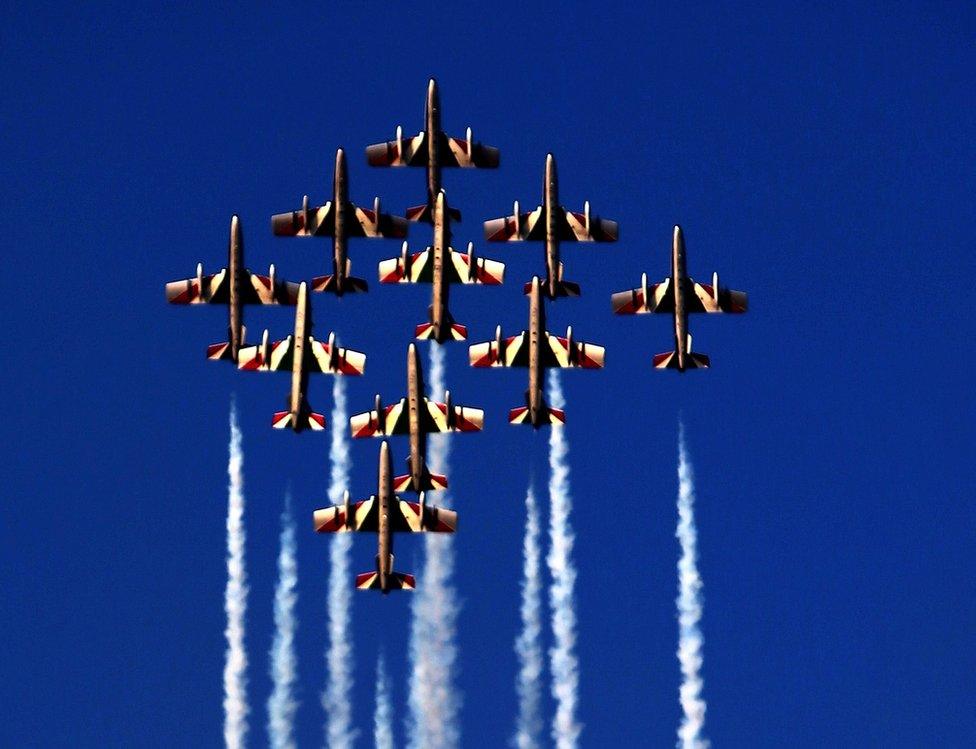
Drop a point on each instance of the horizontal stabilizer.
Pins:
(552, 416)
(430, 482)
(563, 288)
(395, 581)
(220, 352)
(427, 332)
(425, 214)
(669, 360)
(308, 420)
(350, 285)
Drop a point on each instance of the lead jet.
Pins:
(340, 220)
(303, 355)
(552, 224)
(384, 514)
(538, 350)
(234, 286)
(440, 265)
(417, 416)
(432, 149)
(679, 295)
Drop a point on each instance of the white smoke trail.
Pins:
(282, 704)
(383, 717)
(337, 697)
(235, 595)
(689, 602)
(528, 645)
(434, 698)
(562, 655)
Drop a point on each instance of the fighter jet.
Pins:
(551, 223)
(340, 220)
(441, 266)
(680, 295)
(303, 355)
(417, 416)
(433, 149)
(234, 286)
(385, 513)
(538, 350)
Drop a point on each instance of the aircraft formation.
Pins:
(440, 265)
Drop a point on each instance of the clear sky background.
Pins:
(821, 160)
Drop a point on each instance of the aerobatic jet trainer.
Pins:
(432, 149)
(339, 219)
(538, 350)
(679, 295)
(417, 416)
(552, 224)
(384, 514)
(234, 286)
(440, 265)
(301, 354)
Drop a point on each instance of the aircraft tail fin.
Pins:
(220, 352)
(425, 213)
(452, 332)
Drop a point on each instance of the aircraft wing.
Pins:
(369, 424)
(659, 299)
(363, 516)
(340, 361)
(581, 227)
(418, 517)
(316, 222)
(215, 289)
(408, 268)
(464, 419)
(513, 352)
(465, 153)
(517, 227)
(565, 352)
(704, 299)
(400, 152)
(466, 268)
(370, 223)
(280, 355)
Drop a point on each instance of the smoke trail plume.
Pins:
(235, 595)
(282, 704)
(434, 698)
(689, 602)
(562, 655)
(528, 645)
(383, 717)
(337, 697)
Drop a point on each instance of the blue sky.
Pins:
(820, 159)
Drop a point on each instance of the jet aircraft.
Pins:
(384, 514)
(552, 224)
(339, 219)
(441, 266)
(538, 350)
(234, 286)
(417, 416)
(432, 149)
(679, 295)
(303, 355)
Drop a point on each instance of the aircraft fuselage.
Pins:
(415, 396)
(384, 489)
(537, 327)
(432, 129)
(299, 372)
(678, 277)
(340, 202)
(550, 207)
(235, 267)
(440, 318)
